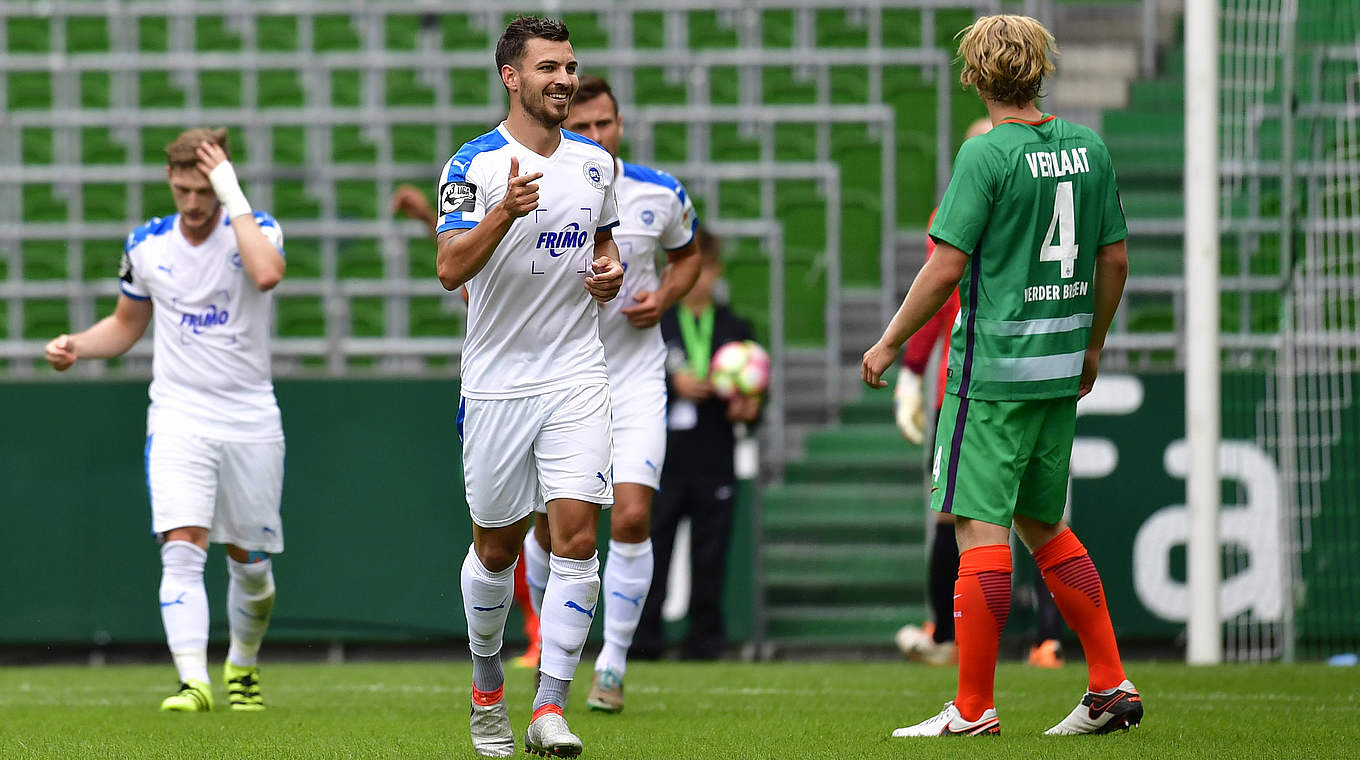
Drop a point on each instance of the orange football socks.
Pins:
(982, 600)
(1072, 579)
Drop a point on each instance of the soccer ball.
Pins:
(740, 367)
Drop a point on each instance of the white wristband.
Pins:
(228, 190)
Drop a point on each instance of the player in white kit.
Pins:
(214, 442)
(655, 215)
(526, 213)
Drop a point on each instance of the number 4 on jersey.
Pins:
(1064, 221)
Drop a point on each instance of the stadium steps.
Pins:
(843, 512)
(852, 466)
(846, 572)
(840, 625)
(861, 325)
(844, 551)
(911, 254)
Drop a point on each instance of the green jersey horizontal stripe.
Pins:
(1024, 369)
(1034, 326)
(1015, 346)
(994, 390)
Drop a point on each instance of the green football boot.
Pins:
(243, 687)
(193, 696)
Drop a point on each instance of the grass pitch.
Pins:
(721, 710)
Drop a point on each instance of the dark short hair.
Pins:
(510, 47)
(710, 245)
(591, 88)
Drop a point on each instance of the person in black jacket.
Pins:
(698, 480)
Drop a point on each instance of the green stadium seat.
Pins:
(301, 317)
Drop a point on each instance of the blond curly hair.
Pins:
(1006, 57)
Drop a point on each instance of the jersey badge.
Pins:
(594, 174)
(457, 197)
(647, 217)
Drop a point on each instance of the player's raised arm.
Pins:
(463, 253)
(260, 257)
(109, 337)
(931, 288)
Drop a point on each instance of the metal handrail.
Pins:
(829, 175)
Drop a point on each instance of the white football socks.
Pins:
(627, 577)
(250, 600)
(569, 604)
(535, 571)
(184, 608)
(486, 602)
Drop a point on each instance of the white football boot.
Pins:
(548, 736)
(1103, 712)
(491, 733)
(950, 723)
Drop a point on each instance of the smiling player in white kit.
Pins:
(525, 217)
(214, 443)
(655, 215)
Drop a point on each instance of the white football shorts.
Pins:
(520, 453)
(640, 433)
(235, 490)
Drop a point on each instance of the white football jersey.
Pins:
(210, 367)
(655, 215)
(532, 325)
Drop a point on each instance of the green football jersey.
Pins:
(1030, 202)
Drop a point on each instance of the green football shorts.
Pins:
(996, 459)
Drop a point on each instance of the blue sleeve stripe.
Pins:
(683, 245)
(693, 230)
(462, 160)
(581, 139)
(264, 219)
(459, 224)
(154, 226)
(134, 296)
(655, 177)
(609, 226)
(456, 170)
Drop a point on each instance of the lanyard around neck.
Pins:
(698, 339)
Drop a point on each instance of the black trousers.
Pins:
(709, 507)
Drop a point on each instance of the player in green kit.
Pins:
(1031, 232)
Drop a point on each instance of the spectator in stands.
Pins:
(698, 480)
